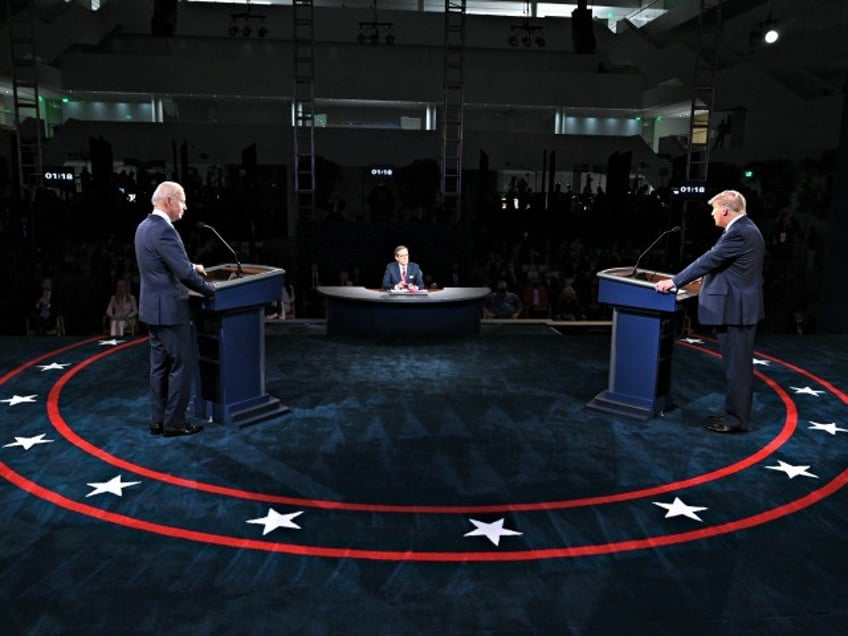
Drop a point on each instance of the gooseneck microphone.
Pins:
(203, 226)
(676, 228)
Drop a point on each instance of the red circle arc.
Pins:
(788, 428)
(66, 431)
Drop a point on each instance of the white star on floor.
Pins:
(111, 342)
(761, 362)
(693, 340)
(792, 471)
(679, 509)
(19, 399)
(28, 442)
(53, 366)
(807, 390)
(492, 531)
(114, 486)
(831, 428)
(274, 520)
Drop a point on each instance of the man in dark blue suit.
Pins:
(402, 274)
(166, 276)
(731, 298)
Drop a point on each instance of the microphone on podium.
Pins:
(204, 226)
(676, 228)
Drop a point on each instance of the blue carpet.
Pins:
(427, 487)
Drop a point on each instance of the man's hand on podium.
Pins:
(664, 286)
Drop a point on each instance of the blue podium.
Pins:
(230, 387)
(643, 334)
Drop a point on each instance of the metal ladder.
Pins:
(701, 107)
(29, 126)
(452, 111)
(303, 46)
(703, 90)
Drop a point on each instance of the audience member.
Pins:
(502, 303)
(122, 309)
(46, 309)
(536, 300)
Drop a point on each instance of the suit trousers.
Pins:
(736, 344)
(173, 362)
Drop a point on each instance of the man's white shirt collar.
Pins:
(158, 212)
(732, 221)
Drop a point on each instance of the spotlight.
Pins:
(246, 31)
(513, 41)
(772, 34)
(390, 39)
(526, 41)
(262, 32)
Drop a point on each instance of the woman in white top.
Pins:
(122, 309)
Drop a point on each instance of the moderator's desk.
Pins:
(357, 311)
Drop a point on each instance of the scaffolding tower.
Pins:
(452, 110)
(303, 106)
(26, 109)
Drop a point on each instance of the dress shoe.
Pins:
(721, 426)
(188, 429)
(156, 429)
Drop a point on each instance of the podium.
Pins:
(643, 333)
(230, 386)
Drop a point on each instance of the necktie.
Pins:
(403, 274)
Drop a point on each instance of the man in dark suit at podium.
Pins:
(731, 298)
(402, 274)
(166, 276)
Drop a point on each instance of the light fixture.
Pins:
(766, 32)
(527, 34)
(771, 35)
(247, 24)
(373, 32)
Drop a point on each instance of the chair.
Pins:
(131, 328)
(57, 330)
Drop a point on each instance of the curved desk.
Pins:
(357, 311)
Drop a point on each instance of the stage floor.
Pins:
(424, 487)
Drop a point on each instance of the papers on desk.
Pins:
(406, 292)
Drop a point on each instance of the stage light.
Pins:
(370, 32)
(772, 34)
(233, 31)
(262, 32)
(246, 31)
(527, 34)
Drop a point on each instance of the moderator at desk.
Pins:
(357, 311)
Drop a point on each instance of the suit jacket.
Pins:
(414, 276)
(166, 274)
(732, 270)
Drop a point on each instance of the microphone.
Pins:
(676, 228)
(203, 226)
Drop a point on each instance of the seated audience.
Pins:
(502, 303)
(122, 309)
